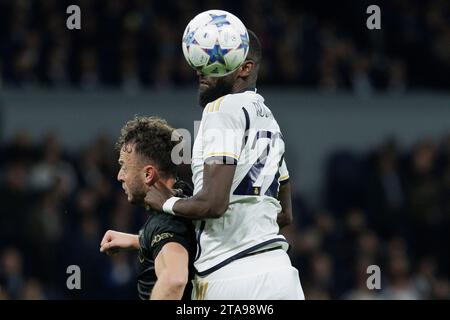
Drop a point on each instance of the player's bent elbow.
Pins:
(175, 282)
(212, 209)
(288, 220)
(284, 219)
(217, 211)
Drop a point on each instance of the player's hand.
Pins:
(157, 195)
(114, 241)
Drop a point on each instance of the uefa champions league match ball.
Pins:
(215, 43)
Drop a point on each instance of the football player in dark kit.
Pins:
(166, 243)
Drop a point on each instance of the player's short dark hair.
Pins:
(152, 138)
(255, 51)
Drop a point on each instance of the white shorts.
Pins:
(263, 276)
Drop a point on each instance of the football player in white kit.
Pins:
(241, 192)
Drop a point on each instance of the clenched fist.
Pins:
(114, 241)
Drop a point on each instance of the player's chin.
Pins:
(206, 94)
(203, 89)
(136, 199)
(130, 198)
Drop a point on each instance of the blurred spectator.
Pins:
(120, 277)
(11, 272)
(16, 201)
(360, 290)
(441, 289)
(360, 78)
(89, 73)
(52, 170)
(424, 197)
(426, 276)
(32, 290)
(397, 78)
(322, 273)
(3, 294)
(385, 194)
(399, 284)
(19, 149)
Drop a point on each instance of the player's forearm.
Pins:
(114, 241)
(200, 207)
(131, 241)
(213, 199)
(135, 241)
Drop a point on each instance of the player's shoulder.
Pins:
(222, 105)
(165, 220)
(164, 225)
(231, 103)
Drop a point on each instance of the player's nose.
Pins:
(119, 176)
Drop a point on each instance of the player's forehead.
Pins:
(127, 153)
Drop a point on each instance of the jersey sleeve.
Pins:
(170, 229)
(284, 173)
(224, 126)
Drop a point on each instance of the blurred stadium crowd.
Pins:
(137, 44)
(386, 206)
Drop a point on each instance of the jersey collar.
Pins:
(253, 89)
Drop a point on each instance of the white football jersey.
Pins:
(240, 129)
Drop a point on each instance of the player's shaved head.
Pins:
(255, 51)
(255, 55)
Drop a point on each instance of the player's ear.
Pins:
(246, 68)
(150, 175)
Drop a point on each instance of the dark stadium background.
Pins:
(366, 115)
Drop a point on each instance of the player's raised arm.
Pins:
(211, 202)
(222, 132)
(172, 272)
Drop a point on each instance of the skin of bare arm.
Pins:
(172, 272)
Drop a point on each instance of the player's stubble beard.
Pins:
(136, 198)
(217, 87)
(136, 193)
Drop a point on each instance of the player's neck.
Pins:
(243, 86)
(169, 182)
